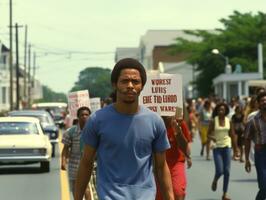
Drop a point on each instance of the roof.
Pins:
(19, 119)
(257, 83)
(4, 48)
(233, 77)
(50, 104)
(28, 112)
(163, 38)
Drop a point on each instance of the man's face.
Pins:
(128, 86)
(262, 103)
(83, 116)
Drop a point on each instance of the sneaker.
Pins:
(214, 186)
(226, 198)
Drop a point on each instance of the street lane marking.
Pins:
(65, 194)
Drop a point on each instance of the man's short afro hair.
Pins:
(128, 63)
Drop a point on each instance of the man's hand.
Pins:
(248, 166)
(189, 163)
(63, 164)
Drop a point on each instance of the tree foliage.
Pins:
(50, 96)
(96, 80)
(238, 41)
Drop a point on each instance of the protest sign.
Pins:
(95, 104)
(163, 93)
(76, 100)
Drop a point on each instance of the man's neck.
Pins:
(263, 114)
(126, 108)
(81, 125)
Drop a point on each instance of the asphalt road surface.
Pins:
(27, 182)
(242, 185)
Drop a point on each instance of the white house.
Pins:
(153, 51)
(5, 82)
(4, 77)
(228, 85)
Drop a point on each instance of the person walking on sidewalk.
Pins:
(220, 131)
(177, 156)
(205, 117)
(71, 152)
(127, 138)
(256, 132)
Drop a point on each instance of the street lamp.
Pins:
(228, 68)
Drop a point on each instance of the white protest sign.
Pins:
(95, 104)
(76, 100)
(162, 93)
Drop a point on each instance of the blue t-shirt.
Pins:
(125, 144)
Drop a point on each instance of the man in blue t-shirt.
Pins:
(127, 138)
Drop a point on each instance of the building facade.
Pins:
(154, 53)
(4, 78)
(36, 87)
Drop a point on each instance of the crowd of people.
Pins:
(141, 155)
(235, 125)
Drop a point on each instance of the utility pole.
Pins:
(17, 69)
(10, 57)
(29, 78)
(34, 69)
(25, 63)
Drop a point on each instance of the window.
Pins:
(3, 61)
(4, 95)
(18, 128)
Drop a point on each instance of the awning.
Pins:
(257, 83)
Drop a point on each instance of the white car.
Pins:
(22, 140)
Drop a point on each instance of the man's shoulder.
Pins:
(72, 130)
(252, 115)
(150, 116)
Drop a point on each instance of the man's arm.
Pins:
(64, 157)
(247, 150)
(188, 158)
(84, 172)
(163, 175)
(249, 130)
(181, 139)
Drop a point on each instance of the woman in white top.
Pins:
(220, 132)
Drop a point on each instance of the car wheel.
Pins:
(45, 166)
(53, 150)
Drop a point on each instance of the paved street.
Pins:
(26, 182)
(242, 186)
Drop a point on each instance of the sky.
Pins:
(71, 35)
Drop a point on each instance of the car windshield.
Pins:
(18, 128)
(43, 119)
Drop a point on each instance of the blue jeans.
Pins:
(260, 164)
(222, 162)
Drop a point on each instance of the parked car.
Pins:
(22, 140)
(56, 109)
(47, 123)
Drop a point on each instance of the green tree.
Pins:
(96, 80)
(238, 41)
(50, 96)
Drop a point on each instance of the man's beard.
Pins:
(263, 108)
(128, 101)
